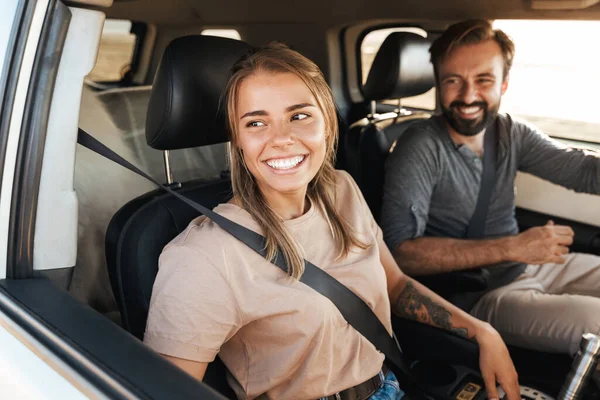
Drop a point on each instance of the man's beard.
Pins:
(470, 127)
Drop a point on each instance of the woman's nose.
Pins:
(282, 136)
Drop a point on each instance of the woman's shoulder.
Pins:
(344, 180)
(348, 196)
(345, 185)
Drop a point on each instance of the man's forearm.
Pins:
(414, 301)
(430, 255)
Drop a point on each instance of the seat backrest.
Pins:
(146, 225)
(376, 142)
(183, 112)
(400, 69)
(349, 147)
(128, 107)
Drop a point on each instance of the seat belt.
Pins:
(477, 278)
(354, 310)
(476, 228)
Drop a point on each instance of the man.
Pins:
(539, 296)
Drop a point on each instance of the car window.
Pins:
(554, 80)
(115, 54)
(226, 33)
(6, 23)
(368, 49)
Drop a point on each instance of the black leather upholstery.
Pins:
(183, 112)
(374, 147)
(135, 242)
(401, 68)
(349, 147)
(184, 109)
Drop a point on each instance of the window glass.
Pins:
(226, 33)
(554, 82)
(368, 50)
(115, 54)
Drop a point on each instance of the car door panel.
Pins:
(100, 353)
(21, 370)
(587, 237)
(538, 195)
(539, 201)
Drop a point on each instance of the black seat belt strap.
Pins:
(476, 280)
(354, 310)
(476, 228)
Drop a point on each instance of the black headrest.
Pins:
(184, 109)
(401, 68)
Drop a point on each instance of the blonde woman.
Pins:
(279, 338)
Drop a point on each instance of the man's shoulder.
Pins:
(511, 123)
(424, 130)
(514, 131)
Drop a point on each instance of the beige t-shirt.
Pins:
(277, 336)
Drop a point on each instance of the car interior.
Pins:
(161, 110)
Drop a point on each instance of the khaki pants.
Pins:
(548, 307)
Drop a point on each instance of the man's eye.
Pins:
(451, 81)
(299, 116)
(254, 124)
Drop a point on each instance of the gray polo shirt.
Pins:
(431, 184)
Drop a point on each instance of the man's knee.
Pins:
(586, 322)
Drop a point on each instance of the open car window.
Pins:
(554, 81)
(115, 55)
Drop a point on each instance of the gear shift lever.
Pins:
(584, 365)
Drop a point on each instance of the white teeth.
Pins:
(469, 110)
(285, 163)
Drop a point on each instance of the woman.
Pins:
(278, 337)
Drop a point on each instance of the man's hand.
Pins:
(542, 244)
(495, 364)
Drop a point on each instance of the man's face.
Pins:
(471, 85)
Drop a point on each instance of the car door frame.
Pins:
(83, 348)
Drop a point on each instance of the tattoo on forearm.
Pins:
(414, 305)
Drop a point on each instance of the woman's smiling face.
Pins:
(281, 132)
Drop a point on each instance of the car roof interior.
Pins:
(333, 12)
(315, 27)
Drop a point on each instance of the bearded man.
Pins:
(538, 295)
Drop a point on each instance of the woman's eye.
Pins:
(254, 124)
(299, 116)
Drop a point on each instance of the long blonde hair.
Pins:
(278, 58)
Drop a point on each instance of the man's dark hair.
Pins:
(472, 31)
